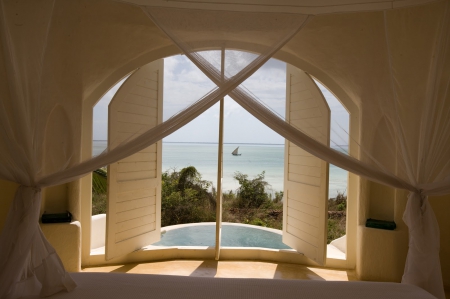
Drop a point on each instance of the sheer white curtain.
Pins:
(28, 263)
(424, 143)
(26, 258)
(422, 163)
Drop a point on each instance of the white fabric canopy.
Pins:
(23, 140)
(415, 167)
(421, 140)
(316, 7)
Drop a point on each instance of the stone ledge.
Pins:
(66, 239)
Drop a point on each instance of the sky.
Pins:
(184, 83)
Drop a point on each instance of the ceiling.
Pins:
(288, 6)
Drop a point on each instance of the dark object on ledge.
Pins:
(381, 224)
(56, 218)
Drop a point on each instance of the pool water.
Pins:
(232, 236)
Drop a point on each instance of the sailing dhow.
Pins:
(235, 152)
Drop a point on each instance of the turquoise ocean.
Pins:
(254, 159)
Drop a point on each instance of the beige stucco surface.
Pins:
(93, 44)
(66, 239)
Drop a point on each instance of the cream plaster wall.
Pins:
(95, 43)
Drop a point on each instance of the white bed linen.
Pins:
(137, 286)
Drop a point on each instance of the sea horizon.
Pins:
(210, 142)
(255, 158)
(207, 142)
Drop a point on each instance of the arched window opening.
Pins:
(189, 164)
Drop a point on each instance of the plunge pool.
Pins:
(233, 235)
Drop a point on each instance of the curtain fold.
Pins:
(422, 266)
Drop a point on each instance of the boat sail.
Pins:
(235, 152)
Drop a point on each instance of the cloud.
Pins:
(184, 83)
(235, 61)
(100, 113)
(340, 119)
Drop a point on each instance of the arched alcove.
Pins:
(117, 76)
(126, 52)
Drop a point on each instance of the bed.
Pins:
(137, 286)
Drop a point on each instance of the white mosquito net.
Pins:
(28, 263)
(421, 166)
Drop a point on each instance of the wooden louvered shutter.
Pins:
(134, 183)
(306, 176)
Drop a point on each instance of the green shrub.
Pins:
(185, 197)
(251, 193)
(258, 222)
(99, 181)
(278, 196)
(336, 229)
(339, 203)
(99, 191)
(337, 216)
(98, 203)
